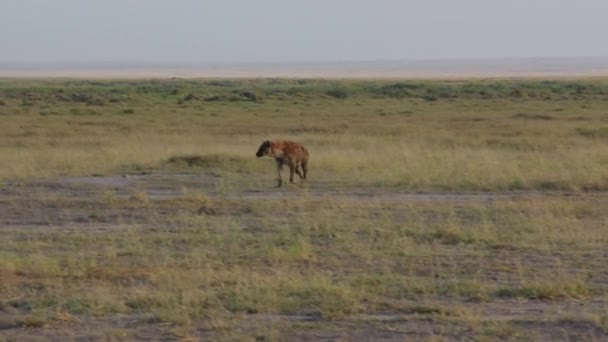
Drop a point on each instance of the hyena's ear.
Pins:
(267, 143)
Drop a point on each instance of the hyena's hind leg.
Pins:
(292, 169)
(299, 170)
(304, 166)
(279, 168)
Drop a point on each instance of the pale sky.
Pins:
(158, 31)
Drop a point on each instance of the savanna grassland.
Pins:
(434, 210)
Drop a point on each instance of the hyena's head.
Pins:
(264, 149)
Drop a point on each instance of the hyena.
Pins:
(286, 152)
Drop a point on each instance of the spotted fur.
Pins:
(286, 152)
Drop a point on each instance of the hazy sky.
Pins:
(298, 30)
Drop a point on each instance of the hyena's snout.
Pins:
(263, 149)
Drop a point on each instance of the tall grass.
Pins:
(482, 135)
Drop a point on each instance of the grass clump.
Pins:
(209, 161)
(547, 291)
(594, 133)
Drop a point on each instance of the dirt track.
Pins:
(81, 200)
(163, 186)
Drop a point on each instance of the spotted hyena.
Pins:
(286, 152)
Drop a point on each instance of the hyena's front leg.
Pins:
(279, 168)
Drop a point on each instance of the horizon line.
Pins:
(148, 63)
(414, 68)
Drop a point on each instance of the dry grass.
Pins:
(462, 141)
(332, 260)
(314, 260)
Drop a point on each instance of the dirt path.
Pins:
(92, 202)
(163, 186)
